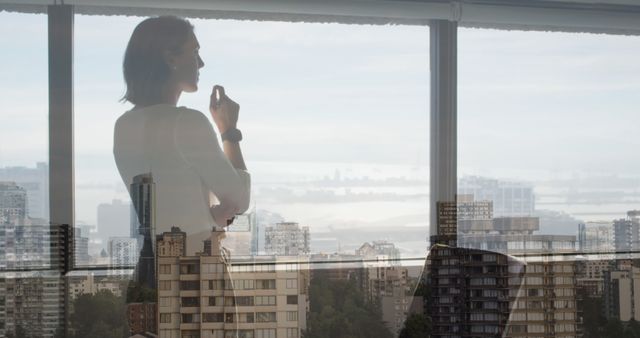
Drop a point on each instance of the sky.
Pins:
(316, 98)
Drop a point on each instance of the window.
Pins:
(189, 285)
(164, 285)
(190, 301)
(261, 267)
(292, 283)
(265, 333)
(212, 317)
(217, 284)
(190, 334)
(238, 334)
(165, 318)
(165, 269)
(164, 301)
(291, 267)
(265, 317)
(189, 268)
(265, 300)
(292, 332)
(212, 268)
(246, 317)
(292, 299)
(265, 284)
(190, 318)
(244, 301)
(292, 315)
(244, 284)
(215, 301)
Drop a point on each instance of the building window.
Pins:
(238, 334)
(188, 318)
(291, 300)
(190, 301)
(265, 317)
(246, 317)
(292, 316)
(165, 269)
(165, 318)
(212, 317)
(189, 268)
(266, 284)
(244, 301)
(265, 300)
(164, 301)
(229, 317)
(291, 267)
(217, 284)
(215, 301)
(189, 285)
(164, 285)
(191, 334)
(292, 283)
(265, 333)
(244, 284)
(292, 332)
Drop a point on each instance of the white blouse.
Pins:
(196, 187)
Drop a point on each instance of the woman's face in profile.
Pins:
(187, 65)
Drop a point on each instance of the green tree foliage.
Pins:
(137, 293)
(102, 315)
(338, 310)
(416, 325)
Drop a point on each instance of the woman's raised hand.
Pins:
(223, 110)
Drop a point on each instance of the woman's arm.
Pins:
(225, 113)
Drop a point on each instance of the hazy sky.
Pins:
(531, 104)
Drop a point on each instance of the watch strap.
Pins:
(232, 135)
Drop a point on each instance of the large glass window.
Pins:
(545, 146)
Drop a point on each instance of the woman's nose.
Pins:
(200, 62)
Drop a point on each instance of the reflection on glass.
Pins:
(536, 157)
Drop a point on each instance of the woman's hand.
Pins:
(223, 110)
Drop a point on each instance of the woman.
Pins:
(198, 186)
(168, 156)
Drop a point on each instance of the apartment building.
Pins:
(199, 296)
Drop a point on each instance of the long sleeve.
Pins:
(198, 145)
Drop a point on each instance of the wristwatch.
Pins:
(232, 135)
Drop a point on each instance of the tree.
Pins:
(102, 315)
(416, 325)
(338, 310)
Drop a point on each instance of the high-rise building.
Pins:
(143, 197)
(622, 294)
(287, 239)
(543, 299)
(13, 202)
(240, 237)
(36, 182)
(81, 248)
(469, 294)
(388, 286)
(595, 237)
(35, 260)
(115, 219)
(266, 296)
(380, 250)
(626, 233)
(508, 198)
(123, 252)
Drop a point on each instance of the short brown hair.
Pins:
(144, 66)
